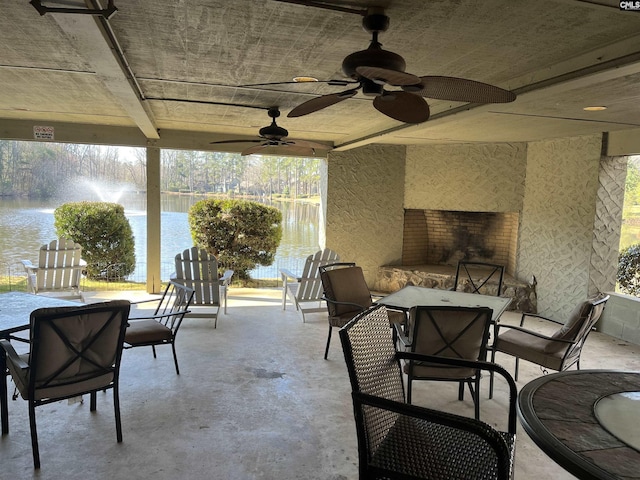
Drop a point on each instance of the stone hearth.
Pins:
(392, 278)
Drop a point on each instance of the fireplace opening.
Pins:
(444, 237)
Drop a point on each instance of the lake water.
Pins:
(25, 225)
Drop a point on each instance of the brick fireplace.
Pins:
(443, 237)
(435, 240)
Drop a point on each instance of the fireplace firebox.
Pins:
(443, 237)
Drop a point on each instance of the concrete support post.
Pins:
(153, 220)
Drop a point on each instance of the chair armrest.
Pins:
(29, 267)
(13, 355)
(146, 301)
(334, 302)
(225, 279)
(161, 315)
(534, 334)
(288, 274)
(477, 364)
(540, 317)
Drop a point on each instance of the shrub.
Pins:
(240, 233)
(105, 234)
(629, 270)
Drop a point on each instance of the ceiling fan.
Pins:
(275, 136)
(375, 68)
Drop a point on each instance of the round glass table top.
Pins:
(613, 413)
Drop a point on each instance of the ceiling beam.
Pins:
(92, 41)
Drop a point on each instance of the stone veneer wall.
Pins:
(607, 225)
(364, 206)
(557, 221)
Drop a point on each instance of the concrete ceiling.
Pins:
(174, 73)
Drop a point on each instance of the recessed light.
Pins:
(594, 109)
(303, 79)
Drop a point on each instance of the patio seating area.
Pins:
(254, 400)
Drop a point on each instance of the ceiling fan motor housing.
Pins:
(374, 56)
(273, 132)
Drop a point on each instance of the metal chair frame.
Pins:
(170, 312)
(464, 274)
(449, 344)
(119, 312)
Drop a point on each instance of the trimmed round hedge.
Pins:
(240, 233)
(105, 234)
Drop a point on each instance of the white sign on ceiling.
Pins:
(42, 133)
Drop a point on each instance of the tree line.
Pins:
(37, 169)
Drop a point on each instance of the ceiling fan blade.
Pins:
(281, 149)
(235, 141)
(460, 90)
(332, 82)
(308, 144)
(254, 149)
(319, 103)
(402, 106)
(302, 150)
(385, 75)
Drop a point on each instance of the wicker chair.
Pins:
(401, 441)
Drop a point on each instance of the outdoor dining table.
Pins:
(412, 296)
(15, 314)
(586, 421)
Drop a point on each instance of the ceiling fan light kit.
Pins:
(375, 68)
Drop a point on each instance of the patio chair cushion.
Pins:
(570, 328)
(531, 348)
(347, 285)
(146, 331)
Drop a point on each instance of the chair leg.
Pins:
(284, 296)
(224, 296)
(116, 408)
(326, 350)
(175, 357)
(475, 395)
(92, 401)
(516, 372)
(461, 391)
(409, 385)
(34, 435)
(153, 347)
(493, 360)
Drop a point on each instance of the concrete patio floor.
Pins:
(254, 400)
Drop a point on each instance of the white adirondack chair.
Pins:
(306, 288)
(59, 269)
(198, 270)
